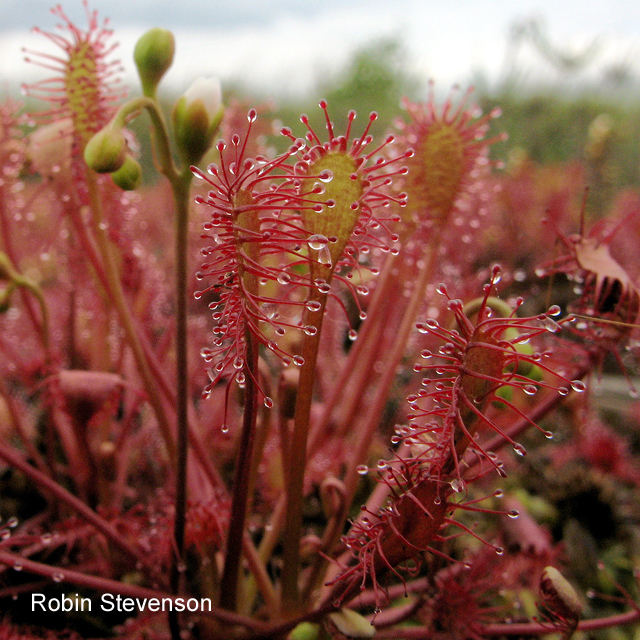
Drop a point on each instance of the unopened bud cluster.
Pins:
(196, 116)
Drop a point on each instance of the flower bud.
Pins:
(560, 597)
(197, 116)
(305, 631)
(129, 175)
(351, 624)
(153, 55)
(106, 151)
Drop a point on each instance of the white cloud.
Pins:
(446, 41)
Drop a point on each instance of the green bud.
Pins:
(305, 631)
(153, 55)
(106, 151)
(560, 597)
(129, 175)
(352, 624)
(196, 118)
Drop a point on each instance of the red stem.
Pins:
(233, 552)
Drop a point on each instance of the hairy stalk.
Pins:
(391, 360)
(297, 459)
(233, 552)
(368, 425)
(156, 371)
(357, 366)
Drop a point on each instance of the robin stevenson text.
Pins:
(116, 602)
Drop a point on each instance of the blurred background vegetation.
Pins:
(573, 114)
(582, 110)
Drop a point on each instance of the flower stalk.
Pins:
(297, 458)
(154, 55)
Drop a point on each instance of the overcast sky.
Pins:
(285, 45)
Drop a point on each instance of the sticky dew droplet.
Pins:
(317, 241)
(519, 449)
(578, 386)
(324, 256)
(550, 324)
(362, 469)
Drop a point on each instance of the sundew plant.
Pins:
(360, 387)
